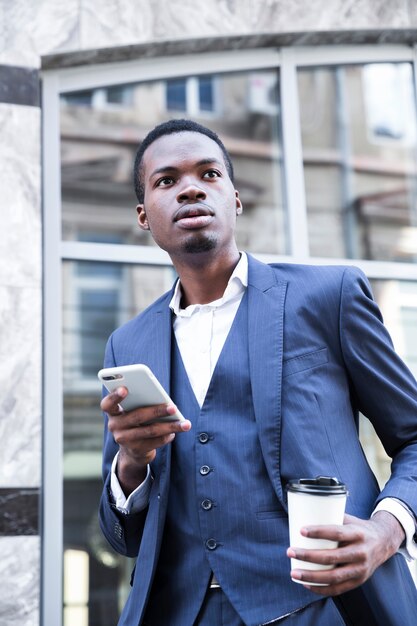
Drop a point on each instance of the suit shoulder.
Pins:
(325, 283)
(317, 273)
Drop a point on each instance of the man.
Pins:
(271, 364)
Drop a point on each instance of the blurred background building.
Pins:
(316, 103)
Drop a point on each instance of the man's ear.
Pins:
(239, 206)
(142, 218)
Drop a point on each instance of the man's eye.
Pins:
(211, 174)
(163, 182)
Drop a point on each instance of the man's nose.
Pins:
(191, 191)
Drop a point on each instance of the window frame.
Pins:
(67, 79)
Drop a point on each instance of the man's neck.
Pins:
(207, 281)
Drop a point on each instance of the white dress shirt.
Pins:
(201, 331)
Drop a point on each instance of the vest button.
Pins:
(211, 544)
(206, 505)
(203, 437)
(204, 470)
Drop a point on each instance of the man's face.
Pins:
(190, 204)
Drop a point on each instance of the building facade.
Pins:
(316, 103)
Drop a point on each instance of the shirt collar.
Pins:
(236, 285)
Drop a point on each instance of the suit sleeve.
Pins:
(122, 531)
(384, 389)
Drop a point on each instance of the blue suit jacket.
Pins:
(318, 354)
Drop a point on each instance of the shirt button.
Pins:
(203, 437)
(204, 470)
(211, 544)
(206, 504)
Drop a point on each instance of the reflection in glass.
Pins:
(359, 147)
(102, 128)
(76, 584)
(97, 297)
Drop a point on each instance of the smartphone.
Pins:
(143, 386)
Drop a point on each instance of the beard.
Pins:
(199, 244)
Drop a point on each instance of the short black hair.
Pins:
(169, 128)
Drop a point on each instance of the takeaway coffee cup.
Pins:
(314, 501)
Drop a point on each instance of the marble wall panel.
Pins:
(146, 20)
(188, 18)
(316, 15)
(19, 576)
(108, 23)
(20, 235)
(20, 373)
(412, 10)
(31, 29)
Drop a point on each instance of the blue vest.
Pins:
(223, 514)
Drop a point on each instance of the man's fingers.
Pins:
(147, 423)
(335, 556)
(331, 582)
(161, 429)
(141, 431)
(110, 404)
(348, 533)
(158, 412)
(353, 561)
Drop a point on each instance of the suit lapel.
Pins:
(156, 353)
(156, 341)
(266, 297)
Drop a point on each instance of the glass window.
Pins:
(80, 98)
(358, 127)
(97, 319)
(194, 95)
(119, 94)
(97, 297)
(92, 310)
(98, 147)
(359, 139)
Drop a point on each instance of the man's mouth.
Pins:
(192, 216)
(192, 210)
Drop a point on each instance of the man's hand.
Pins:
(137, 440)
(363, 546)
